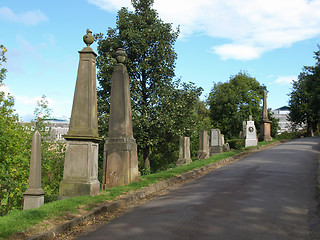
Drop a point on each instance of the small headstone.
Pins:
(184, 151)
(34, 196)
(251, 134)
(241, 134)
(222, 139)
(216, 142)
(203, 152)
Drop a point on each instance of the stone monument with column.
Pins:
(34, 196)
(120, 160)
(265, 126)
(80, 176)
(184, 151)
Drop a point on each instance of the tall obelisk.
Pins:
(80, 176)
(120, 161)
(265, 126)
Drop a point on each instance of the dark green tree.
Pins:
(232, 102)
(162, 107)
(305, 97)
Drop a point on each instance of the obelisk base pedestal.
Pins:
(215, 150)
(265, 131)
(202, 154)
(183, 161)
(80, 175)
(120, 165)
(33, 198)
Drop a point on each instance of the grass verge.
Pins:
(20, 221)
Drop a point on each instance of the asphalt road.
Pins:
(268, 195)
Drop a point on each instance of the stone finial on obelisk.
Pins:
(34, 195)
(80, 176)
(265, 126)
(120, 160)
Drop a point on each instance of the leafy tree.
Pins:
(3, 71)
(162, 108)
(15, 148)
(14, 145)
(232, 102)
(305, 97)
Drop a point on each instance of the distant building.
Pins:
(285, 125)
(58, 128)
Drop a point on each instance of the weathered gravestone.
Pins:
(265, 126)
(203, 152)
(120, 161)
(184, 151)
(251, 133)
(216, 142)
(80, 176)
(34, 195)
(244, 127)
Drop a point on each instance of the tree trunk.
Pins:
(309, 129)
(314, 128)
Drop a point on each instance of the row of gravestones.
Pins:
(206, 148)
(217, 139)
(120, 162)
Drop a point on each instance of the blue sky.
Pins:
(271, 40)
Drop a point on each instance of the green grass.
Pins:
(19, 221)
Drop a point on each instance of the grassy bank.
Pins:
(20, 221)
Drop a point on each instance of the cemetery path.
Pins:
(270, 194)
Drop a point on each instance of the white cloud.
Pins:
(111, 5)
(27, 105)
(4, 88)
(285, 80)
(238, 52)
(257, 26)
(27, 18)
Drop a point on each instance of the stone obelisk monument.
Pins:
(80, 176)
(120, 161)
(265, 126)
(34, 196)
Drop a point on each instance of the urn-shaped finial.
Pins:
(88, 38)
(120, 55)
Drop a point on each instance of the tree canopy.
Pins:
(232, 102)
(305, 96)
(162, 107)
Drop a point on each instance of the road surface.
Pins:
(270, 195)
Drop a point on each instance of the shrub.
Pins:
(236, 143)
